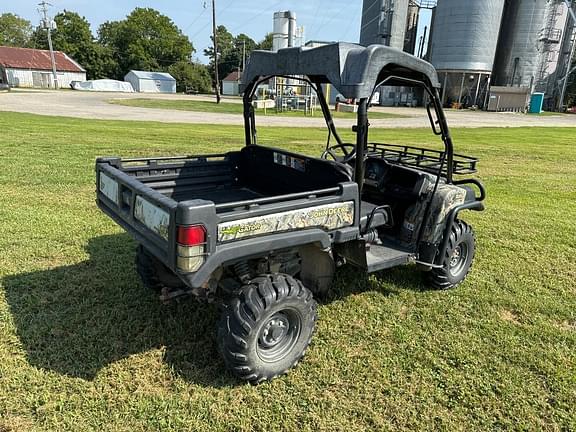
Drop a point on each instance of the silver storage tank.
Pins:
(466, 34)
(384, 22)
(463, 47)
(284, 30)
(521, 41)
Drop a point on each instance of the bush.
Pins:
(191, 77)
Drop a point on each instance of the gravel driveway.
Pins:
(96, 106)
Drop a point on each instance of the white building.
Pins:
(25, 67)
(231, 84)
(151, 82)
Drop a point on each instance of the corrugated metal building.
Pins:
(151, 82)
(25, 67)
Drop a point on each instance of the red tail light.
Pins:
(191, 235)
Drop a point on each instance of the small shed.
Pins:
(151, 82)
(26, 67)
(514, 99)
(231, 84)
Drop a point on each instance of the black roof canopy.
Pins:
(353, 69)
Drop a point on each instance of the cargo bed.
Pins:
(237, 197)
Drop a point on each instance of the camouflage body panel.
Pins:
(446, 198)
(109, 187)
(328, 217)
(152, 216)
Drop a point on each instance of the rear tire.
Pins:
(457, 259)
(265, 330)
(155, 275)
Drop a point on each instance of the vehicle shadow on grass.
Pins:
(349, 281)
(78, 319)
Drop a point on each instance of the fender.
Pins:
(477, 205)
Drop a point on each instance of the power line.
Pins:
(332, 17)
(249, 21)
(195, 20)
(200, 30)
(316, 14)
(352, 21)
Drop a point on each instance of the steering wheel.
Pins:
(349, 151)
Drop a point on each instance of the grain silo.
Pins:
(463, 47)
(384, 22)
(521, 41)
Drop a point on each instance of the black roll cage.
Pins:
(439, 127)
(362, 125)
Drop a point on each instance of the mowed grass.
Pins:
(83, 346)
(232, 108)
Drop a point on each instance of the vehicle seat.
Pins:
(342, 168)
(381, 216)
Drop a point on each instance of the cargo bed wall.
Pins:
(186, 180)
(252, 173)
(277, 172)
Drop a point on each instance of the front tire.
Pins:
(457, 259)
(265, 330)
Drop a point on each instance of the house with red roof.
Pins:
(26, 67)
(231, 84)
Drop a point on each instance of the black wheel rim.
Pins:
(458, 259)
(279, 335)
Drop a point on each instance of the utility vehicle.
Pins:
(261, 230)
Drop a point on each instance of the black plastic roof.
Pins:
(353, 69)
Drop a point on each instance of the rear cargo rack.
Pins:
(421, 158)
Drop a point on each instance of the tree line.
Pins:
(144, 40)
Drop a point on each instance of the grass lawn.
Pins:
(548, 114)
(84, 347)
(231, 108)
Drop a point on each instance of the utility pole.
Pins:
(47, 24)
(215, 40)
(243, 55)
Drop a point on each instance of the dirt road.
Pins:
(97, 106)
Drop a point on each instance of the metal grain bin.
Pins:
(520, 46)
(466, 34)
(463, 47)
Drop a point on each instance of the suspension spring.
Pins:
(242, 270)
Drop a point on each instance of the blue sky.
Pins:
(323, 19)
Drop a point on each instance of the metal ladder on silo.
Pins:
(551, 37)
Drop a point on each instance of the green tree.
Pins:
(225, 43)
(230, 51)
(243, 45)
(267, 42)
(74, 37)
(225, 47)
(191, 76)
(145, 40)
(14, 31)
